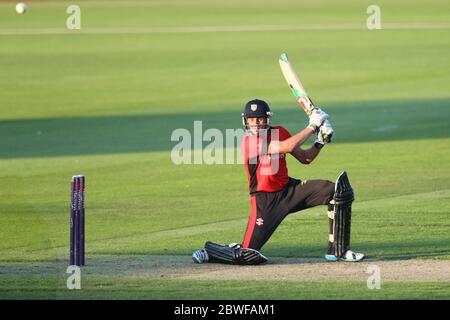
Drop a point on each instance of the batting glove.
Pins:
(325, 134)
(316, 119)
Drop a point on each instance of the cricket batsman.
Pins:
(274, 195)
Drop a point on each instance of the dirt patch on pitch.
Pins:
(294, 269)
(279, 269)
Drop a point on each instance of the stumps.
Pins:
(77, 221)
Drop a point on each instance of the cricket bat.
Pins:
(299, 92)
(294, 83)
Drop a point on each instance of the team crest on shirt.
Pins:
(259, 222)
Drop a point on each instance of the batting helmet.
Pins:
(255, 109)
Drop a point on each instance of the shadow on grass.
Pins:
(353, 122)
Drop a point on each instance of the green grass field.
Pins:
(104, 100)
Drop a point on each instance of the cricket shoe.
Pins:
(349, 256)
(200, 256)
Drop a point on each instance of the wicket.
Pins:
(77, 221)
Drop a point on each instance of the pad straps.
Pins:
(341, 220)
(233, 255)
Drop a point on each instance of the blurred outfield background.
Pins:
(103, 101)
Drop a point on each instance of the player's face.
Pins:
(255, 124)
